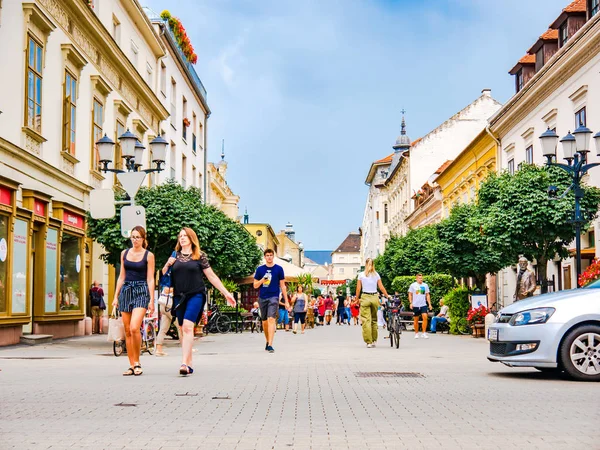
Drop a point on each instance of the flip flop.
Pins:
(129, 372)
(161, 354)
(137, 370)
(185, 370)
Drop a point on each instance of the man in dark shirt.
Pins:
(270, 280)
(341, 309)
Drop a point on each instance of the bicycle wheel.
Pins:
(463, 326)
(391, 338)
(223, 324)
(150, 340)
(397, 332)
(118, 348)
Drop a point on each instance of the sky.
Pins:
(308, 93)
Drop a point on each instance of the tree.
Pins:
(231, 250)
(416, 252)
(518, 217)
(462, 251)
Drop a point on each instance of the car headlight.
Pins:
(531, 316)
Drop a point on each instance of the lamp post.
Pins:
(575, 149)
(131, 151)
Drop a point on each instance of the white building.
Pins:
(346, 258)
(557, 88)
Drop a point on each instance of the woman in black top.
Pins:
(134, 294)
(189, 290)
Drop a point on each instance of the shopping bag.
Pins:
(116, 329)
(165, 280)
(166, 298)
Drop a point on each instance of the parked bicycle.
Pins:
(393, 322)
(218, 322)
(148, 331)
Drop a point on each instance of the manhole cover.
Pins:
(126, 404)
(187, 394)
(389, 375)
(222, 397)
(33, 357)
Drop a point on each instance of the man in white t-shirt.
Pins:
(418, 296)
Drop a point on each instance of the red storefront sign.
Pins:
(5, 196)
(39, 207)
(74, 220)
(332, 282)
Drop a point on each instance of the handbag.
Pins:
(166, 298)
(165, 280)
(116, 329)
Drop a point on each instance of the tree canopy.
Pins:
(231, 250)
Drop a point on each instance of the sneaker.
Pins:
(266, 347)
(424, 336)
(270, 349)
(369, 345)
(416, 335)
(433, 332)
(294, 331)
(373, 344)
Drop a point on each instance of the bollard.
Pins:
(489, 319)
(104, 320)
(88, 326)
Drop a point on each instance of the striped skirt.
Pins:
(134, 294)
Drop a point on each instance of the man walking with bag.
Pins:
(98, 306)
(270, 280)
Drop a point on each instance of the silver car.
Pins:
(551, 332)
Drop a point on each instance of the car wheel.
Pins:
(580, 353)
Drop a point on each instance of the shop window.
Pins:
(34, 85)
(3, 261)
(19, 268)
(70, 267)
(69, 113)
(51, 272)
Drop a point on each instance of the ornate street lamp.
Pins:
(575, 149)
(132, 151)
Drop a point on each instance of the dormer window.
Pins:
(519, 80)
(593, 7)
(539, 59)
(563, 34)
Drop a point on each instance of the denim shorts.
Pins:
(418, 310)
(192, 310)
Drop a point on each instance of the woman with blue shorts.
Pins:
(189, 290)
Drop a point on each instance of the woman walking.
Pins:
(188, 267)
(368, 282)
(321, 309)
(300, 303)
(355, 307)
(134, 294)
(165, 323)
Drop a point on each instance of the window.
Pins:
(385, 213)
(97, 121)
(511, 166)
(3, 261)
(580, 119)
(69, 113)
(34, 85)
(539, 59)
(172, 159)
(183, 171)
(519, 80)
(185, 121)
(173, 102)
(341, 270)
(51, 272)
(563, 34)
(116, 30)
(594, 6)
(592, 239)
(149, 74)
(194, 176)
(529, 155)
(134, 54)
(19, 266)
(163, 79)
(70, 267)
(194, 120)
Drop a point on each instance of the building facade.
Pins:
(264, 235)
(345, 259)
(559, 93)
(219, 193)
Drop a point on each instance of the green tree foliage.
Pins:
(231, 250)
(462, 251)
(518, 218)
(352, 285)
(413, 253)
(457, 301)
(439, 286)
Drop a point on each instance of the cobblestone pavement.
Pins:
(306, 395)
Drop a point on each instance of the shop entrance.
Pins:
(35, 244)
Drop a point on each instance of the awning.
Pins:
(332, 282)
(588, 253)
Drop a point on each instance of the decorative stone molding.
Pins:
(528, 133)
(140, 127)
(122, 109)
(579, 94)
(550, 117)
(37, 22)
(100, 86)
(73, 59)
(67, 165)
(509, 148)
(33, 141)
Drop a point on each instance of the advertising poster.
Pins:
(51, 256)
(19, 272)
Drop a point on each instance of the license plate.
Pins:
(492, 334)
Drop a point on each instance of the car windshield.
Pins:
(593, 285)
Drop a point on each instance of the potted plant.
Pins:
(186, 122)
(592, 273)
(476, 318)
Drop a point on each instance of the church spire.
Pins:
(223, 150)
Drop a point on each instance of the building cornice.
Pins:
(94, 41)
(565, 63)
(143, 24)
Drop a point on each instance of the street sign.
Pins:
(131, 182)
(102, 203)
(132, 216)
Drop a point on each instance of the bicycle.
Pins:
(393, 323)
(148, 332)
(217, 321)
(256, 324)
(463, 326)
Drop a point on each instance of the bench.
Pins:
(407, 322)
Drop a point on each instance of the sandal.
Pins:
(161, 354)
(137, 369)
(185, 370)
(129, 372)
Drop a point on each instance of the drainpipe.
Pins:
(497, 141)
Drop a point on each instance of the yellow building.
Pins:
(460, 180)
(264, 235)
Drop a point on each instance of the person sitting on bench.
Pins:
(441, 317)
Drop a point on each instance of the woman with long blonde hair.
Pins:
(189, 267)
(368, 282)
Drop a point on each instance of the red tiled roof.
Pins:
(384, 160)
(416, 142)
(350, 245)
(527, 59)
(443, 167)
(550, 35)
(576, 6)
